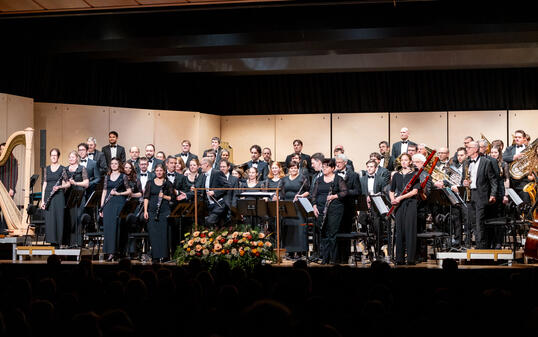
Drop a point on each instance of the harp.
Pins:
(16, 220)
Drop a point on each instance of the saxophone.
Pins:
(468, 188)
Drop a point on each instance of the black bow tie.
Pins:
(143, 174)
(90, 154)
(170, 174)
(404, 141)
(255, 162)
(83, 160)
(150, 161)
(371, 177)
(518, 146)
(185, 154)
(473, 160)
(112, 146)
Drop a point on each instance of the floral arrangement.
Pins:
(244, 248)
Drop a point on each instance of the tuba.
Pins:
(526, 164)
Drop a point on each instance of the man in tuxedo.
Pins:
(372, 183)
(386, 160)
(339, 149)
(263, 168)
(353, 190)
(215, 146)
(186, 154)
(383, 172)
(96, 155)
(466, 142)
(213, 178)
(94, 175)
(401, 147)
(134, 154)
(298, 149)
(231, 196)
(514, 153)
(266, 153)
(150, 155)
(113, 150)
(483, 184)
(144, 175)
(175, 178)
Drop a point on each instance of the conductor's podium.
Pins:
(478, 254)
(31, 251)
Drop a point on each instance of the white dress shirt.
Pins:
(113, 151)
(144, 179)
(473, 172)
(403, 148)
(371, 184)
(207, 178)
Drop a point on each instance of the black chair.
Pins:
(94, 237)
(434, 238)
(354, 238)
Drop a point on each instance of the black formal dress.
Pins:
(112, 210)
(132, 223)
(74, 213)
(54, 215)
(158, 228)
(329, 228)
(406, 218)
(295, 231)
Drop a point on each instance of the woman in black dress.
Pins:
(55, 182)
(406, 213)
(78, 179)
(157, 195)
(131, 223)
(252, 180)
(327, 195)
(295, 186)
(115, 190)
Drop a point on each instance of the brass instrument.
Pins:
(454, 175)
(482, 137)
(531, 189)
(527, 163)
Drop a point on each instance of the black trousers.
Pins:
(216, 212)
(458, 215)
(329, 231)
(477, 219)
(406, 230)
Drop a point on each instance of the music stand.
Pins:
(75, 198)
(287, 209)
(252, 208)
(379, 202)
(183, 210)
(305, 207)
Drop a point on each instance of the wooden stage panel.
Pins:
(134, 126)
(312, 129)
(492, 124)
(429, 128)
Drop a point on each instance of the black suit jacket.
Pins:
(304, 157)
(155, 161)
(379, 184)
(134, 163)
(509, 153)
(486, 183)
(178, 180)
(94, 176)
(99, 158)
(151, 176)
(395, 153)
(190, 157)
(217, 179)
(217, 156)
(231, 196)
(352, 182)
(263, 169)
(120, 153)
(384, 173)
(388, 163)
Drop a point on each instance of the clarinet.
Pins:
(53, 192)
(159, 204)
(140, 206)
(325, 210)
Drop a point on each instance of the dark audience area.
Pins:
(154, 300)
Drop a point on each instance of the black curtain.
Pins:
(93, 82)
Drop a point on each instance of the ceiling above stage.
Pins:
(233, 37)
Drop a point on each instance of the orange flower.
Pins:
(195, 234)
(223, 252)
(241, 252)
(260, 244)
(254, 251)
(188, 249)
(261, 236)
(198, 248)
(268, 244)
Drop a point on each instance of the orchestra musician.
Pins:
(380, 170)
(316, 162)
(328, 192)
(55, 179)
(406, 211)
(339, 149)
(423, 209)
(351, 178)
(298, 149)
(157, 195)
(294, 232)
(115, 189)
(177, 181)
(496, 233)
(94, 176)
(150, 155)
(78, 179)
(402, 146)
(161, 156)
(134, 154)
(144, 175)
(186, 154)
(180, 165)
(96, 155)
(483, 185)
(135, 185)
(260, 165)
(225, 155)
(514, 153)
(233, 181)
(215, 146)
(113, 150)
(266, 154)
(192, 179)
(213, 178)
(386, 159)
(458, 214)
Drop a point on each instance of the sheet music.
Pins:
(514, 196)
(306, 204)
(379, 204)
(257, 194)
